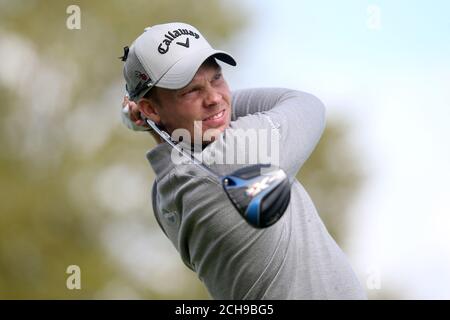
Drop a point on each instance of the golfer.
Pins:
(173, 78)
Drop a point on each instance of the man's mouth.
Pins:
(215, 116)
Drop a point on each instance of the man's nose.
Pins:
(213, 97)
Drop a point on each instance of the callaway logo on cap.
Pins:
(167, 56)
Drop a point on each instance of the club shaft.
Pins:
(166, 137)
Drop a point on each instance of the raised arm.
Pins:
(298, 118)
(301, 120)
(254, 100)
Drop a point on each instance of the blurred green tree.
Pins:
(59, 89)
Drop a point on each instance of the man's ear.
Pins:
(148, 109)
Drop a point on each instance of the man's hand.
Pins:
(131, 117)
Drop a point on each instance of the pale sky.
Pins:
(384, 65)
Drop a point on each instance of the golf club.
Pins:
(261, 198)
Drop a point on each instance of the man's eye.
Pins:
(190, 91)
(218, 76)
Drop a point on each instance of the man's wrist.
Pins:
(130, 124)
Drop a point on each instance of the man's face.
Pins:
(205, 102)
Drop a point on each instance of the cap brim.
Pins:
(184, 70)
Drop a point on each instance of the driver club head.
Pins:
(260, 196)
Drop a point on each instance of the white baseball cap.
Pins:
(167, 56)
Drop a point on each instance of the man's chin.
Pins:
(211, 134)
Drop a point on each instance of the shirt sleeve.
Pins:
(298, 118)
(254, 100)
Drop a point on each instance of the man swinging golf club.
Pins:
(175, 83)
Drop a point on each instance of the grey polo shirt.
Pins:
(295, 258)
